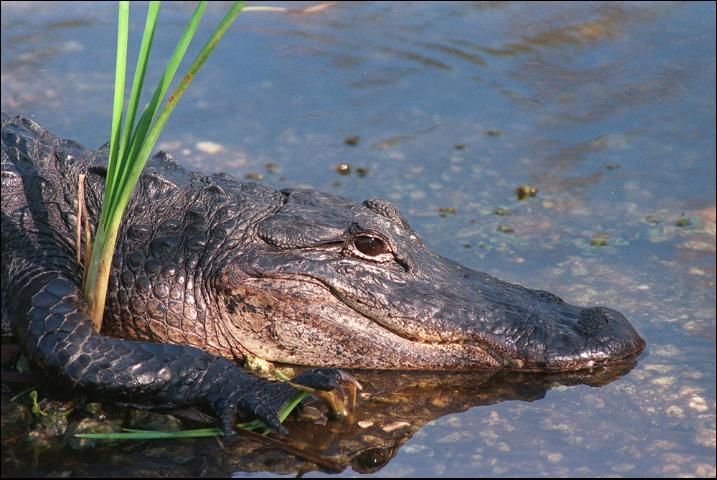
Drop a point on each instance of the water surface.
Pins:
(607, 108)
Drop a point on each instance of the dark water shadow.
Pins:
(395, 405)
(390, 410)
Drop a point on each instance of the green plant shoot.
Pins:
(131, 146)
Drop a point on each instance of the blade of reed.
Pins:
(131, 155)
(91, 289)
(139, 140)
(131, 434)
(137, 82)
(120, 74)
(144, 148)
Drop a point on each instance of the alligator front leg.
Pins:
(60, 339)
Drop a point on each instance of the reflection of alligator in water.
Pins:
(394, 406)
(398, 404)
(296, 276)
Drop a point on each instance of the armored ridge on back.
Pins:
(208, 269)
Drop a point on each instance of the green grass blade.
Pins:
(131, 434)
(94, 291)
(139, 73)
(120, 74)
(153, 135)
(291, 405)
(160, 91)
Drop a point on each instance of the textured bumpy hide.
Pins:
(41, 294)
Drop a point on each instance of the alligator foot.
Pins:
(265, 399)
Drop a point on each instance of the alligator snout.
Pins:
(525, 328)
(601, 320)
(608, 334)
(595, 336)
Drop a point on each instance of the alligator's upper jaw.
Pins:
(533, 329)
(518, 327)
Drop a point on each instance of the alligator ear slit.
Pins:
(330, 244)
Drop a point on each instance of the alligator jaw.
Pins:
(447, 304)
(318, 327)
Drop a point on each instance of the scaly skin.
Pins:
(41, 293)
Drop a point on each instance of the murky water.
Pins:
(445, 108)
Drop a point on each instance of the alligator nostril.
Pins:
(593, 320)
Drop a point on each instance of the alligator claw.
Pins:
(327, 379)
(270, 419)
(266, 414)
(335, 387)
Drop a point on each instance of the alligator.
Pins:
(208, 270)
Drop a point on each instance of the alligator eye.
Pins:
(370, 246)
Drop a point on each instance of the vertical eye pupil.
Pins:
(370, 246)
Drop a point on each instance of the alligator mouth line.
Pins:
(500, 360)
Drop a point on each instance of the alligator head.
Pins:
(328, 282)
